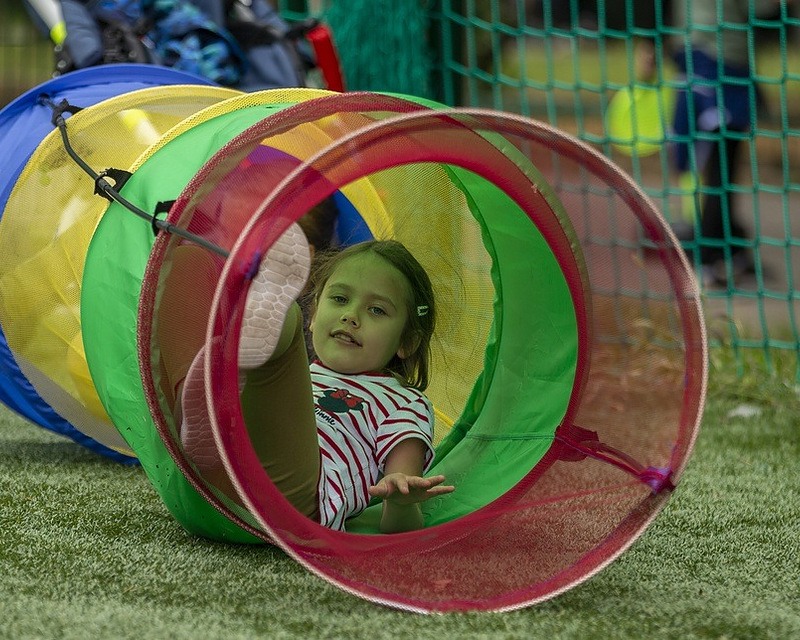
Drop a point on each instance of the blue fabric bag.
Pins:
(195, 36)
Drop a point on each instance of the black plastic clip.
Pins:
(161, 207)
(58, 109)
(119, 176)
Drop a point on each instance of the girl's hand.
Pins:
(402, 489)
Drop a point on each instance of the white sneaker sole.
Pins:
(281, 276)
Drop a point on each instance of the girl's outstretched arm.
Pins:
(403, 488)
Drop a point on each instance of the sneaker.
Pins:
(196, 435)
(708, 276)
(716, 273)
(281, 277)
(684, 231)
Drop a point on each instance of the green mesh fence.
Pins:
(383, 45)
(579, 65)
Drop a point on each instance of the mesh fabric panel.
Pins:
(40, 281)
(24, 123)
(216, 204)
(115, 264)
(601, 481)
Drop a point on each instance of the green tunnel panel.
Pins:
(522, 394)
(115, 265)
(515, 405)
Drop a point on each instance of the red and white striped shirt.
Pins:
(360, 418)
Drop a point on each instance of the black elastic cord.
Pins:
(103, 188)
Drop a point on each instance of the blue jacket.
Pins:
(188, 35)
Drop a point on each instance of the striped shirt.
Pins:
(360, 418)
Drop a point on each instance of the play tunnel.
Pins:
(568, 373)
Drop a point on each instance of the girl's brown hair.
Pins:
(413, 370)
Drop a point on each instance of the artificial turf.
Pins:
(87, 550)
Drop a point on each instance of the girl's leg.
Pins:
(183, 308)
(277, 401)
(719, 220)
(278, 409)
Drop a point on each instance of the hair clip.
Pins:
(422, 310)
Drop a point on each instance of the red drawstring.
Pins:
(657, 478)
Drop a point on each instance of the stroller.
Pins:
(238, 43)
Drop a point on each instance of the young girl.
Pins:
(355, 424)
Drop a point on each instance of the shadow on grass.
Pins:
(47, 452)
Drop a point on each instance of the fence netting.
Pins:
(693, 98)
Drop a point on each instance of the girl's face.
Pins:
(360, 315)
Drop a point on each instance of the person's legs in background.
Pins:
(719, 222)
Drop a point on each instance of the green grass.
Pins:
(87, 550)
